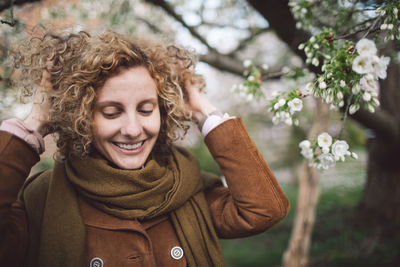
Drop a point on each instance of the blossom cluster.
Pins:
(251, 88)
(372, 68)
(349, 72)
(391, 25)
(319, 48)
(325, 151)
(301, 10)
(284, 105)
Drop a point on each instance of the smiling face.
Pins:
(126, 119)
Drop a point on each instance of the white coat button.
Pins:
(96, 262)
(177, 253)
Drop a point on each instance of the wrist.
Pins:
(24, 132)
(216, 113)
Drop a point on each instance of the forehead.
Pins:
(130, 84)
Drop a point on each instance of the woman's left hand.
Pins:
(197, 102)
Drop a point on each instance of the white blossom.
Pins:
(306, 149)
(308, 89)
(276, 106)
(368, 83)
(342, 83)
(265, 66)
(384, 26)
(315, 62)
(340, 149)
(356, 88)
(370, 108)
(354, 155)
(289, 121)
(322, 85)
(353, 108)
(275, 120)
(363, 64)
(328, 99)
(375, 102)
(251, 78)
(324, 140)
(339, 95)
(366, 96)
(247, 63)
(366, 47)
(301, 46)
(295, 105)
(390, 26)
(307, 153)
(327, 161)
(281, 102)
(305, 144)
(380, 66)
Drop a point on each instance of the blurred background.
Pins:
(357, 217)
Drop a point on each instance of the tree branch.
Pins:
(4, 4)
(224, 63)
(247, 40)
(381, 122)
(151, 26)
(167, 8)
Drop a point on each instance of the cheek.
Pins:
(154, 123)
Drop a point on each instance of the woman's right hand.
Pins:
(38, 116)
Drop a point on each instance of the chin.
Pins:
(130, 165)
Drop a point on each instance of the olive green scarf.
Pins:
(175, 188)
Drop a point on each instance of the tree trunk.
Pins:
(297, 254)
(380, 205)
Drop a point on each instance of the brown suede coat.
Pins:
(252, 203)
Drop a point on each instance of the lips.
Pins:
(129, 146)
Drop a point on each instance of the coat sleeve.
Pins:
(16, 161)
(253, 201)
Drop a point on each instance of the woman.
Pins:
(120, 193)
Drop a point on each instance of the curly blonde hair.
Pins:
(80, 65)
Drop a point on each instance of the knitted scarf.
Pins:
(175, 188)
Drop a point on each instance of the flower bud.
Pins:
(353, 108)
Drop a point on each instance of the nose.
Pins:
(131, 127)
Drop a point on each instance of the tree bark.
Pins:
(380, 205)
(297, 254)
(4, 4)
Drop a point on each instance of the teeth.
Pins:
(131, 147)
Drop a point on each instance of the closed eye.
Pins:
(111, 112)
(146, 112)
(111, 115)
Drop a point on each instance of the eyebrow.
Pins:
(118, 104)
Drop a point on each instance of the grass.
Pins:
(336, 241)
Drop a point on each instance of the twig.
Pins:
(13, 21)
(345, 115)
(167, 8)
(372, 27)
